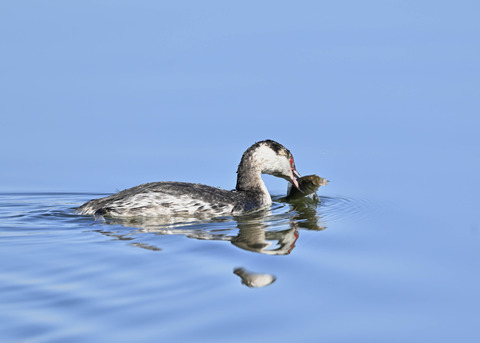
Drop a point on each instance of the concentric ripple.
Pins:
(334, 208)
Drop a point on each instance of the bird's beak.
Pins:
(296, 174)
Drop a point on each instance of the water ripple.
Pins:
(271, 231)
(334, 208)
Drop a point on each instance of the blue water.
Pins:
(379, 97)
(344, 270)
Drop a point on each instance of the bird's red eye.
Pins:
(291, 162)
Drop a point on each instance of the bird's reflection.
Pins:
(306, 209)
(262, 232)
(255, 235)
(272, 232)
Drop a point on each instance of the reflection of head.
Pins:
(257, 239)
(254, 280)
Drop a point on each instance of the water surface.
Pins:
(332, 271)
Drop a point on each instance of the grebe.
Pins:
(180, 199)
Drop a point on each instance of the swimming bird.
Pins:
(181, 199)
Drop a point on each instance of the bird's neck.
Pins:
(249, 180)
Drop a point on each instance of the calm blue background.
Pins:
(104, 95)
